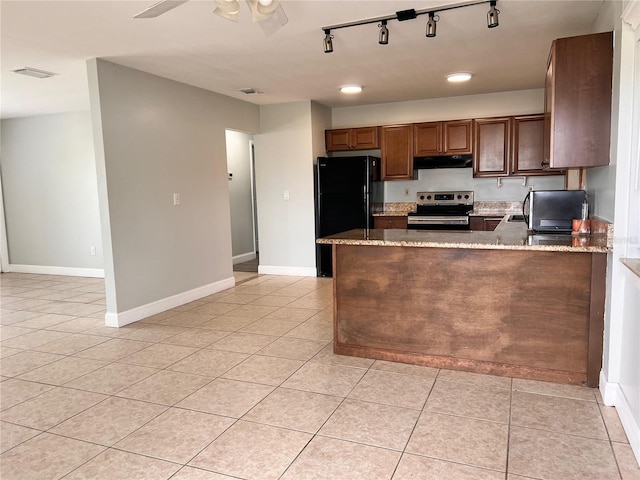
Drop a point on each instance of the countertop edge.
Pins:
(470, 246)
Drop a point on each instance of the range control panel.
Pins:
(445, 198)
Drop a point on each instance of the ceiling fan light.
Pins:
(228, 9)
(260, 11)
(350, 89)
(459, 77)
(492, 15)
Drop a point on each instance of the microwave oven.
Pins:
(553, 210)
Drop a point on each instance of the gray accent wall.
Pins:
(156, 137)
(50, 191)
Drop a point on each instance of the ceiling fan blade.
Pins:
(228, 9)
(157, 9)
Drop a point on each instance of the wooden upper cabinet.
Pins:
(442, 138)
(510, 146)
(492, 143)
(341, 139)
(457, 137)
(396, 142)
(427, 139)
(528, 146)
(578, 101)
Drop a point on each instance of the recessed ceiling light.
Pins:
(351, 89)
(34, 72)
(459, 77)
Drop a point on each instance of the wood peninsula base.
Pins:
(527, 314)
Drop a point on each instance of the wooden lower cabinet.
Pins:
(484, 224)
(390, 221)
(519, 313)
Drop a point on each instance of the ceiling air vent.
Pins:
(249, 91)
(34, 72)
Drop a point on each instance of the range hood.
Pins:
(443, 161)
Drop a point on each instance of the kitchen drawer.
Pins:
(392, 221)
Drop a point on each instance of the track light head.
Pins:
(431, 25)
(328, 42)
(492, 15)
(383, 38)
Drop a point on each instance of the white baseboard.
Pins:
(608, 391)
(47, 270)
(121, 319)
(245, 257)
(291, 271)
(615, 396)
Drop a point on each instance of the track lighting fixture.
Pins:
(328, 42)
(431, 25)
(410, 14)
(383, 38)
(492, 15)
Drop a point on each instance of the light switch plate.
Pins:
(176, 199)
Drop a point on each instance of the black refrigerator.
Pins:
(348, 192)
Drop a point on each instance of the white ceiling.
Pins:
(192, 45)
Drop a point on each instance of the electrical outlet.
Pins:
(406, 192)
(93, 250)
(530, 188)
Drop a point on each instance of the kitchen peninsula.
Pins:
(502, 302)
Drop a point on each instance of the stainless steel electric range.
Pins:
(441, 211)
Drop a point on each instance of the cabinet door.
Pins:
(390, 222)
(338, 140)
(492, 136)
(484, 224)
(490, 223)
(397, 152)
(580, 101)
(427, 139)
(549, 93)
(528, 146)
(365, 138)
(457, 137)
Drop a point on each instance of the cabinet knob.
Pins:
(544, 163)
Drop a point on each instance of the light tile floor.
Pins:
(244, 384)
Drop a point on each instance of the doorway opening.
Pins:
(242, 201)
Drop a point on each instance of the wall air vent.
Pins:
(34, 72)
(249, 91)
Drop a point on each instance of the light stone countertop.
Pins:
(507, 236)
(480, 209)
